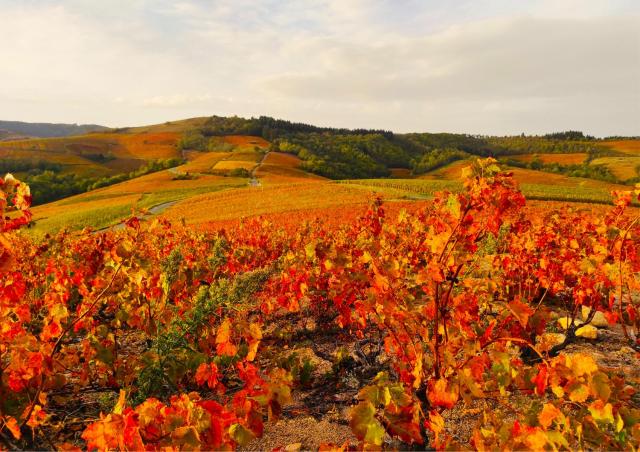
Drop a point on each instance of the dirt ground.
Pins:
(320, 412)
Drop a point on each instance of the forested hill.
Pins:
(46, 130)
(361, 153)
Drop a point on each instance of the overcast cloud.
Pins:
(469, 66)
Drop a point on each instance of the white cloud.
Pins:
(485, 67)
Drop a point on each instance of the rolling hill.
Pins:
(44, 129)
(191, 169)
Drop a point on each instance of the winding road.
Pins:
(254, 181)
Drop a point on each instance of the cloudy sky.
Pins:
(490, 67)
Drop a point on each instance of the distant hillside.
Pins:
(62, 166)
(47, 130)
(6, 135)
(56, 167)
(338, 153)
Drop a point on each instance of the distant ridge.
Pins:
(47, 130)
(7, 135)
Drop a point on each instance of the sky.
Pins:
(473, 66)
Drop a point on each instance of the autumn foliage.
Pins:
(453, 305)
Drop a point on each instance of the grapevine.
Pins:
(457, 305)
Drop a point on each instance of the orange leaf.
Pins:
(441, 395)
(541, 379)
(207, 373)
(11, 423)
(104, 434)
(521, 311)
(548, 414)
(223, 336)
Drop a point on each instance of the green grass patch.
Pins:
(79, 217)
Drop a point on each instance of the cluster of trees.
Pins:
(598, 172)
(50, 186)
(28, 166)
(471, 144)
(436, 158)
(233, 125)
(569, 135)
(275, 128)
(345, 156)
(622, 137)
(271, 128)
(99, 157)
(195, 140)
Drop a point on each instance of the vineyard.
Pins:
(540, 191)
(397, 325)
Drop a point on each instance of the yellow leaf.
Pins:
(253, 350)
(255, 330)
(581, 364)
(557, 391)
(365, 425)
(386, 396)
(119, 408)
(578, 392)
(241, 434)
(536, 440)
(602, 412)
(187, 437)
(58, 312)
